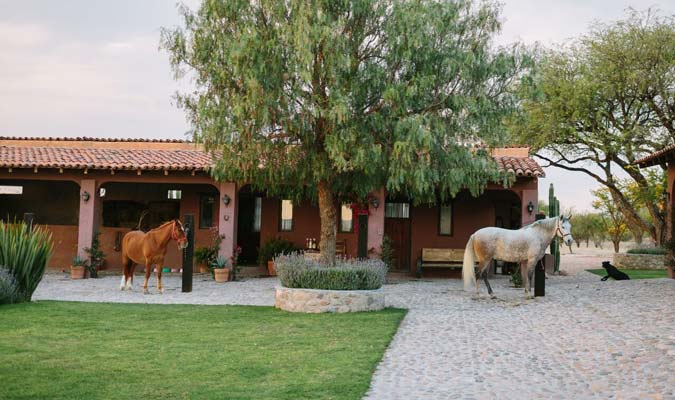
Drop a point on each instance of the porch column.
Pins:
(227, 218)
(87, 221)
(527, 196)
(376, 222)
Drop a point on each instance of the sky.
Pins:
(93, 67)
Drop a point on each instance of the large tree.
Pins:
(601, 103)
(327, 100)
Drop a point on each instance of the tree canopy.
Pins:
(601, 103)
(331, 99)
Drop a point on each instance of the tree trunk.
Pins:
(328, 215)
(617, 243)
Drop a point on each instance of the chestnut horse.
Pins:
(149, 249)
(526, 245)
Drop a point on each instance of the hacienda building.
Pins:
(79, 186)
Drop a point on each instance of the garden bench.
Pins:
(439, 258)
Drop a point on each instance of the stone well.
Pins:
(320, 301)
(639, 261)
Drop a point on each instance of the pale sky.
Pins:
(93, 68)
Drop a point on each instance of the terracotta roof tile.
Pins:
(92, 139)
(520, 166)
(31, 155)
(79, 158)
(654, 158)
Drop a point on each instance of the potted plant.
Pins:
(204, 256)
(272, 248)
(221, 273)
(77, 268)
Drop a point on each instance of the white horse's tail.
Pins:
(468, 272)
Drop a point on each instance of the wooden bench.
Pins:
(341, 248)
(439, 258)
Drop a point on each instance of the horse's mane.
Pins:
(547, 223)
(161, 226)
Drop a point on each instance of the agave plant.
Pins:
(25, 251)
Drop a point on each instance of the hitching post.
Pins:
(188, 225)
(539, 271)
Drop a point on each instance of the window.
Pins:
(346, 219)
(445, 220)
(174, 194)
(207, 211)
(286, 220)
(397, 210)
(11, 189)
(257, 214)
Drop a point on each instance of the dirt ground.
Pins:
(591, 257)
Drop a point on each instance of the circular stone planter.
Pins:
(321, 301)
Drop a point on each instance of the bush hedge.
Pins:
(295, 271)
(650, 250)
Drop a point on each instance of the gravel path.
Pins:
(585, 340)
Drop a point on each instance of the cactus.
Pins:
(554, 211)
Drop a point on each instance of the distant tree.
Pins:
(327, 99)
(543, 207)
(598, 105)
(613, 219)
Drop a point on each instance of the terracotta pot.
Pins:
(203, 269)
(77, 272)
(271, 268)
(221, 274)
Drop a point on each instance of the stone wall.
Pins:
(639, 261)
(320, 301)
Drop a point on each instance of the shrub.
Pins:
(25, 252)
(387, 253)
(274, 247)
(516, 278)
(207, 255)
(651, 250)
(96, 256)
(9, 290)
(295, 271)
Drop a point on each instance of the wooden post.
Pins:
(188, 225)
(539, 272)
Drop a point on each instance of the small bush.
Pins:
(274, 247)
(25, 252)
(295, 271)
(516, 278)
(9, 290)
(650, 250)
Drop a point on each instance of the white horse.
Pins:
(526, 245)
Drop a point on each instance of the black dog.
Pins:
(613, 272)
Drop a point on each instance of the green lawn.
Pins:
(635, 273)
(64, 350)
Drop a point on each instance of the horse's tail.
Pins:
(140, 220)
(468, 272)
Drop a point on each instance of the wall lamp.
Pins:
(226, 200)
(530, 207)
(85, 196)
(374, 202)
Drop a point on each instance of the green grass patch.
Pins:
(68, 350)
(635, 273)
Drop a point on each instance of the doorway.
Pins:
(397, 228)
(248, 226)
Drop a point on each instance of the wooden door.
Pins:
(398, 230)
(248, 228)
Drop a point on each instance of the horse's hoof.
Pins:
(492, 296)
(161, 290)
(146, 291)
